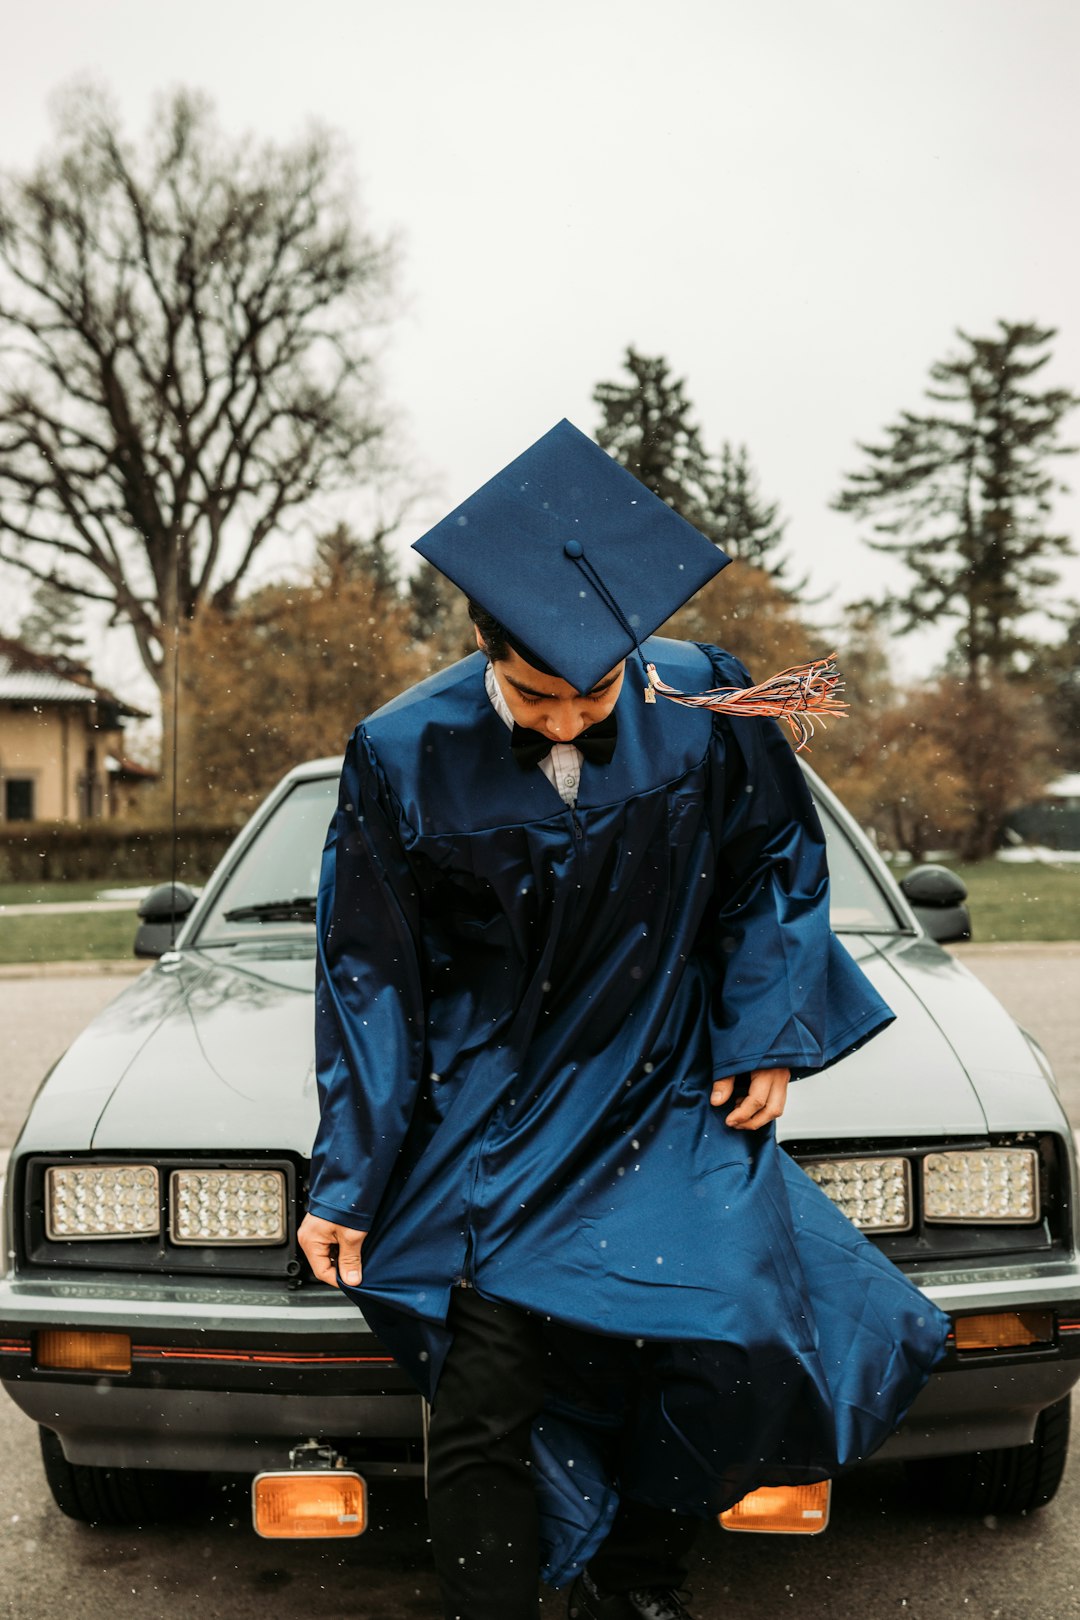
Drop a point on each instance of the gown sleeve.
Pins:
(369, 1005)
(788, 994)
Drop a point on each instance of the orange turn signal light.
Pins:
(790, 1510)
(309, 1503)
(83, 1352)
(1001, 1330)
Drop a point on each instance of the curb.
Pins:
(67, 908)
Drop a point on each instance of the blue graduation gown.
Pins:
(521, 1008)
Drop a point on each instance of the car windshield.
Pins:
(271, 889)
(857, 902)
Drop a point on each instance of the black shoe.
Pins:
(655, 1603)
(587, 1604)
(658, 1603)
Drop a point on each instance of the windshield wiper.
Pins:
(302, 909)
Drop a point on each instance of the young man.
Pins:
(561, 928)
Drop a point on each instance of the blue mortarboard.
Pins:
(572, 555)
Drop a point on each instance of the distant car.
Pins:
(158, 1320)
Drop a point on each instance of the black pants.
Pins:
(481, 1501)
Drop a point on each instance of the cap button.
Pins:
(574, 548)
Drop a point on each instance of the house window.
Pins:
(18, 799)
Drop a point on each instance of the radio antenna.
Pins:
(175, 736)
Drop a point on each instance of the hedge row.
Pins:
(57, 851)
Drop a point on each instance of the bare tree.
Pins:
(187, 334)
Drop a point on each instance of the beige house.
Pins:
(61, 742)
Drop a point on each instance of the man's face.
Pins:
(546, 704)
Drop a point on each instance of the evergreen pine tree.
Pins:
(1060, 671)
(341, 554)
(647, 426)
(962, 495)
(744, 523)
(429, 593)
(53, 624)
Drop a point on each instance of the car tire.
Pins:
(116, 1496)
(1012, 1479)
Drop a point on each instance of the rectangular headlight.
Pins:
(227, 1206)
(102, 1201)
(874, 1194)
(996, 1186)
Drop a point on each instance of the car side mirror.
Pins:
(937, 895)
(161, 912)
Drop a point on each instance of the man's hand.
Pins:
(322, 1240)
(764, 1100)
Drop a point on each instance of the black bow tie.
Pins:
(597, 744)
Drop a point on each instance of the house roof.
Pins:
(31, 677)
(129, 770)
(1065, 787)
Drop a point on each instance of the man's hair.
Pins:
(491, 631)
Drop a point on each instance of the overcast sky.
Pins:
(797, 203)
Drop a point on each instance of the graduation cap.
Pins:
(579, 563)
(575, 558)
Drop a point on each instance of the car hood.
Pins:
(205, 1052)
(214, 1052)
(954, 1062)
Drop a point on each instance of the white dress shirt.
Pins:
(562, 766)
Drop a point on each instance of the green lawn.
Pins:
(75, 937)
(1006, 901)
(1023, 901)
(81, 936)
(28, 894)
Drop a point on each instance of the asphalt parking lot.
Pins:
(1040, 985)
(882, 1556)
